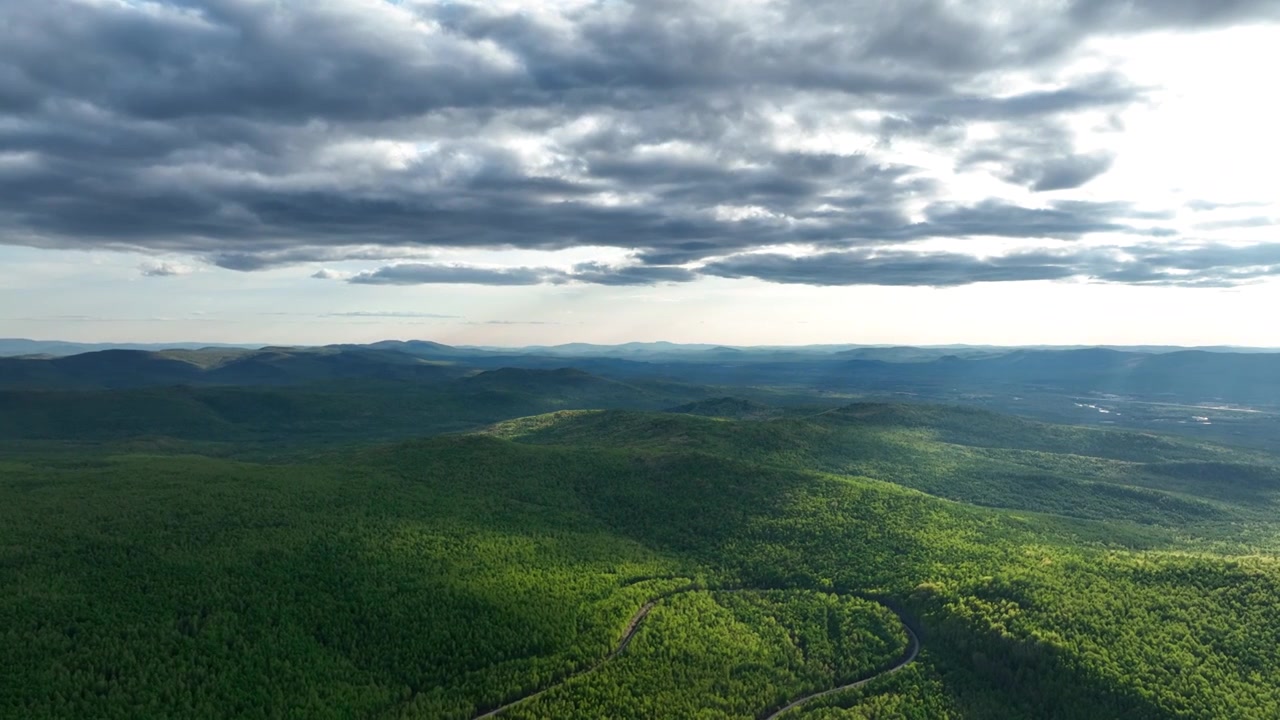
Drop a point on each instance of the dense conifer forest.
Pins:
(645, 564)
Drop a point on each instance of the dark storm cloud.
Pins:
(252, 134)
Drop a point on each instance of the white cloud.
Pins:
(152, 268)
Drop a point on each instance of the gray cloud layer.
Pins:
(1213, 265)
(422, 274)
(1206, 266)
(254, 134)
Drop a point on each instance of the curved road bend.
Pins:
(913, 649)
(633, 626)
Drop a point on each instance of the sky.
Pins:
(738, 172)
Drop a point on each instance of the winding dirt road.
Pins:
(908, 655)
(633, 626)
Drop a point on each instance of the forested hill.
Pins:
(217, 366)
(348, 410)
(961, 454)
(1083, 574)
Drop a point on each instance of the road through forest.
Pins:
(633, 627)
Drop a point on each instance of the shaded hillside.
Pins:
(218, 366)
(107, 368)
(533, 381)
(24, 346)
(290, 366)
(355, 410)
(960, 454)
(726, 407)
(576, 387)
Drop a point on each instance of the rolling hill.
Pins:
(726, 407)
(301, 414)
(960, 454)
(1230, 397)
(218, 366)
(747, 562)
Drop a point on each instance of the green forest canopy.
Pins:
(1053, 572)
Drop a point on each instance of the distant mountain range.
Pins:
(217, 366)
(10, 347)
(1248, 378)
(23, 346)
(410, 387)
